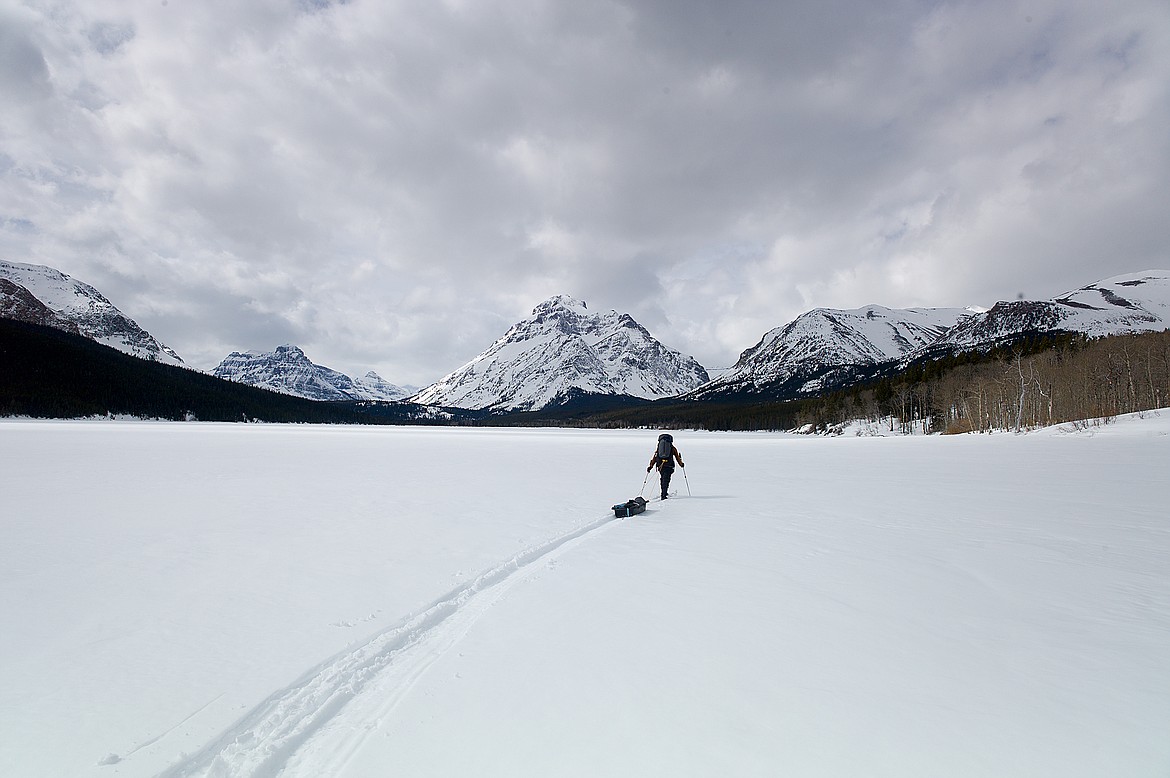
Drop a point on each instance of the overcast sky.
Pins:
(390, 185)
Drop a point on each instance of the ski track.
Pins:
(298, 728)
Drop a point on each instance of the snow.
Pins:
(261, 600)
(289, 370)
(826, 338)
(1134, 302)
(829, 337)
(52, 287)
(562, 348)
(372, 386)
(95, 316)
(1125, 304)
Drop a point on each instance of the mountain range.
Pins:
(563, 352)
(827, 348)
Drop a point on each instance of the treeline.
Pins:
(715, 415)
(1038, 381)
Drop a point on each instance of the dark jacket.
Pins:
(668, 463)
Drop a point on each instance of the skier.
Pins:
(663, 458)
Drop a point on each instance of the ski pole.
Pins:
(644, 482)
(687, 481)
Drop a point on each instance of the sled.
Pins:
(629, 508)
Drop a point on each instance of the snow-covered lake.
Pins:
(256, 600)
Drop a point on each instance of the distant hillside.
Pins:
(1047, 378)
(288, 370)
(48, 373)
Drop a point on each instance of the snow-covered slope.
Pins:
(288, 370)
(1136, 302)
(563, 349)
(820, 346)
(20, 304)
(42, 295)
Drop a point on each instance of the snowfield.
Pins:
(266, 600)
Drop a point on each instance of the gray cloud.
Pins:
(24, 74)
(390, 185)
(108, 37)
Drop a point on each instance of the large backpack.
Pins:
(665, 444)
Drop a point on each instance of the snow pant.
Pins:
(666, 471)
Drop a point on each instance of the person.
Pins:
(663, 458)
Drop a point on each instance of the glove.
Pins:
(649, 468)
(680, 464)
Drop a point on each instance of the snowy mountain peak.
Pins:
(288, 352)
(372, 386)
(44, 295)
(813, 348)
(563, 312)
(562, 302)
(563, 349)
(286, 369)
